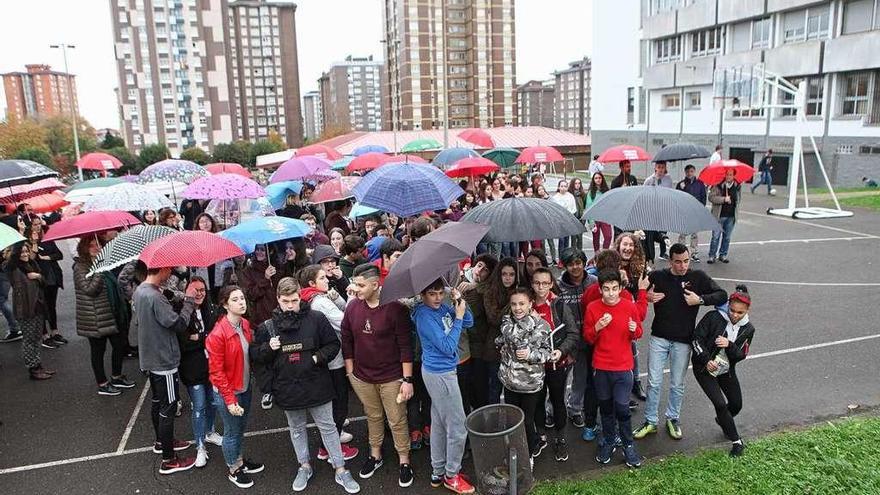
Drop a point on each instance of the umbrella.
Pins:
(82, 191)
(340, 164)
(171, 171)
(406, 189)
(335, 190)
(432, 257)
(324, 175)
(623, 152)
(320, 151)
(98, 161)
(264, 230)
(408, 159)
(277, 193)
(478, 137)
(21, 192)
(127, 197)
(90, 223)
(227, 168)
(451, 155)
(189, 248)
(504, 157)
(652, 208)
(369, 148)
(367, 161)
(421, 145)
(539, 154)
(9, 236)
(299, 168)
(15, 172)
(45, 203)
(524, 219)
(223, 186)
(359, 210)
(715, 171)
(127, 246)
(681, 151)
(231, 212)
(470, 167)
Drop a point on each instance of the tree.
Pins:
(228, 153)
(264, 147)
(196, 154)
(151, 154)
(276, 140)
(110, 141)
(59, 136)
(19, 135)
(130, 163)
(39, 155)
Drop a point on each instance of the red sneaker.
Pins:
(178, 445)
(348, 452)
(323, 455)
(458, 484)
(176, 465)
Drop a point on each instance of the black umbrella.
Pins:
(17, 172)
(652, 208)
(433, 256)
(525, 219)
(681, 151)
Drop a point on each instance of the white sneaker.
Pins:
(345, 437)
(346, 422)
(266, 402)
(214, 438)
(201, 457)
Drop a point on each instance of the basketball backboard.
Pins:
(741, 86)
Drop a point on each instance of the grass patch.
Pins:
(872, 202)
(824, 190)
(834, 458)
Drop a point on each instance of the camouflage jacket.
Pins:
(532, 332)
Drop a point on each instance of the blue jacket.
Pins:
(439, 332)
(694, 187)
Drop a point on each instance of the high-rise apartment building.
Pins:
(313, 122)
(573, 97)
(351, 94)
(39, 91)
(535, 100)
(449, 60)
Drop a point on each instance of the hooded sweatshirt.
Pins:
(717, 324)
(439, 332)
(571, 294)
(333, 310)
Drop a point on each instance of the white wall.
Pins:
(704, 120)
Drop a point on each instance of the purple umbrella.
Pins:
(406, 189)
(172, 171)
(299, 168)
(224, 186)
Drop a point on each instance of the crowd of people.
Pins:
(298, 323)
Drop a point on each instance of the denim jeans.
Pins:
(202, 398)
(563, 242)
(766, 178)
(727, 224)
(675, 355)
(612, 390)
(582, 395)
(233, 426)
(323, 416)
(5, 304)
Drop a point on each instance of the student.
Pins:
(611, 324)
(327, 258)
(496, 298)
(352, 252)
(721, 340)
(439, 327)
(28, 306)
(696, 188)
(725, 198)
(765, 168)
(600, 230)
(389, 251)
(566, 200)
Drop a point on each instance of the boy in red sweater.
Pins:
(610, 325)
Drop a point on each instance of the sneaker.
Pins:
(590, 434)
(710, 261)
(724, 259)
(436, 481)
(178, 445)
(737, 449)
(644, 430)
(12, 337)
(266, 402)
(214, 438)
(549, 422)
(201, 457)
(241, 478)
(345, 437)
(176, 465)
(560, 450)
(663, 256)
(59, 338)
(426, 436)
(542, 444)
(406, 476)
(323, 455)
(50, 344)
(108, 389)
(122, 382)
(674, 428)
(458, 484)
(638, 391)
(251, 467)
(695, 258)
(347, 482)
(631, 456)
(633, 405)
(303, 475)
(371, 465)
(349, 452)
(415, 440)
(577, 420)
(346, 422)
(604, 453)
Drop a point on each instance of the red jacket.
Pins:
(612, 345)
(226, 358)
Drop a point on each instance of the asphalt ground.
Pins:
(816, 299)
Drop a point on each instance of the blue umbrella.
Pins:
(451, 155)
(406, 189)
(342, 163)
(359, 210)
(263, 230)
(277, 192)
(360, 150)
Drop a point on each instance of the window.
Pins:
(667, 49)
(693, 99)
(806, 24)
(704, 43)
(854, 93)
(858, 16)
(761, 33)
(670, 101)
(630, 105)
(740, 36)
(815, 93)
(659, 6)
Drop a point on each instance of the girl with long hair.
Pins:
(601, 230)
(47, 255)
(502, 282)
(28, 306)
(576, 188)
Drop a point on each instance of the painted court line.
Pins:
(133, 419)
(810, 284)
(804, 222)
(108, 455)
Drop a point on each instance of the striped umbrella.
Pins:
(127, 246)
(652, 208)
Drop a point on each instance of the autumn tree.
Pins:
(19, 135)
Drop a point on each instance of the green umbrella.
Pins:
(504, 157)
(421, 145)
(8, 236)
(82, 191)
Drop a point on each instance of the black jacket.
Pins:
(299, 375)
(712, 326)
(673, 319)
(193, 360)
(568, 338)
(624, 180)
(51, 270)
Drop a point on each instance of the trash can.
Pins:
(500, 450)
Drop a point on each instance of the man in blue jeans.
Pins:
(678, 292)
(765, 168)
(725, 199)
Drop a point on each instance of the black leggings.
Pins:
(51, 294)
(418, 408)
(528, 402)
(98, 346)
(726, 395)
(554, 384)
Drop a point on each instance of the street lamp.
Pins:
(64, 47)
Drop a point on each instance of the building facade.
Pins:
(40, 91)
(535, 103)
(663, 92)
(450, 61)
(351, 94)
(313, 122)
(573, 97)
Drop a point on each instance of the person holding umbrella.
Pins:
(258, 280)
(660, 178)
(625, 177)
(28, 306)
(725, 198)
(566, 200)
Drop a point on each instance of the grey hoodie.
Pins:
(158, 325)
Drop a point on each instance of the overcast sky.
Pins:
(549, 34)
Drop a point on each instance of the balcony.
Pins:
(659, 25)
(660, 76)
(698, 15)
(795, 59)
(852, 52)
(736, 10)
(694, 72)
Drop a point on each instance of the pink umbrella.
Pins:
(320, 151)
(90, 223)
(367, 161)
(623, 152)
(22, 192)
(227, 168)
(335, 190)
(98, 161)
(189, 248)
(478, 137)
(539, 154)
(408, 159)
(324, 175)
(299, 168)
(223, 186)
(471, 167)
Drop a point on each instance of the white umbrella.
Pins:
(127, 197)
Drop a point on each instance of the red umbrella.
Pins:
(715, 171)
(335, 190)
(478, 137)
(319, 150)
(98, 161)
(90, 223)
(367, 161)
(539, 154)
(624, 152)
(407, 158)
(189, 248)
(471, 167)
(227, 168)
(45, 203)
(20, 193)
